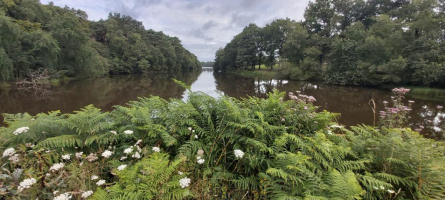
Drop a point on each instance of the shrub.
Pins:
(207, 148)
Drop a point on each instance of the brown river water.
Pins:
(350, 101)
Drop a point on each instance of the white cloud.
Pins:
(202, 26)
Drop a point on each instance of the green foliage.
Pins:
(351, 42)
(35, 36)
(228, 148)
(154, 177)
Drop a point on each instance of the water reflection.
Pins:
(101, 92)
(351, 102)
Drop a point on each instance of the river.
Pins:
(350, 101)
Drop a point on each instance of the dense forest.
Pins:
(348, 42)
(65, 43)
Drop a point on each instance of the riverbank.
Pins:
(426, 93)
(104, 92)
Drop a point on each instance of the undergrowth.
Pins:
(207, 148)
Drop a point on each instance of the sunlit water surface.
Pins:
(351, 101)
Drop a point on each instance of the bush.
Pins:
(207, 148)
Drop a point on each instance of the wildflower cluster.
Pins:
(27, 183)
(184, 182)
(21, 130)
(252, 148)
(9, 152)
(238, 153)
(397, 115)
(64, 196)
(302, 97)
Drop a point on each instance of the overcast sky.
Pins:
(202, 26)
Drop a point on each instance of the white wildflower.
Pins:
(107, 154)
(180, 173)
(128, 132)
(184, 182)
(92, 157)
(201, 161)
(121, 167)
(114, 132)
(190, 128)
(21, 130)
(336, 126)
(139, 149)
(136, 155)
(79, 155)
(64, 196)
(81, 163)
(94, 177)
(138, 142)
(56, 167)
(29, 145)
(391, 191)
(239, 153)
(382, 188)
(196, 136)
(437, 129)
(198, 157)
(48, 174)
(193, 131)
(9, 152)
(55, 192)
(26, 183)
(123, 158)
(100, 182)
(156, 149)
(15, 158)
(66, 157)
(329, 132)
(128, 150)
(87, 194)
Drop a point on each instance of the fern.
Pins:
(62, 141)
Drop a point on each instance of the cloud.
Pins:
(209, 24)
(202, 26)
(198, 33)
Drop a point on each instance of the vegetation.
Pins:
(207, 148)
(207, 64)
(351, 42)
(63, 42)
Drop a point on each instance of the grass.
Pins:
(425, 93)
(264, 72)
(435, 92)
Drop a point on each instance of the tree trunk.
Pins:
(259, 63)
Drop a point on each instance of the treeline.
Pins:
(63, 41)
(207, 64)
(352, 42)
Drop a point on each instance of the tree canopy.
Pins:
(33, 36)
(349, 42)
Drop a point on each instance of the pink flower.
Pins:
(400, 91)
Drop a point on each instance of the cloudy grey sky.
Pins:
(202, 26)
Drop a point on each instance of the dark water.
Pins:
(351, 102)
